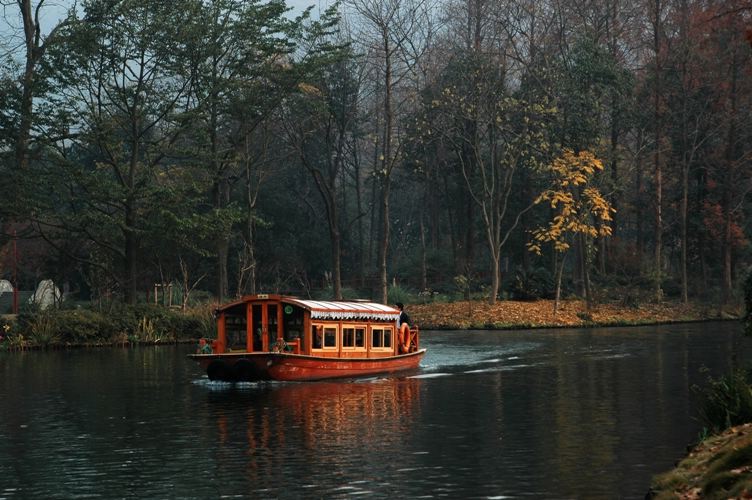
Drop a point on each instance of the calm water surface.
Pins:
(542, 414)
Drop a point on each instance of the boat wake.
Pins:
(444, 360)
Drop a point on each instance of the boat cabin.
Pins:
(337, 329)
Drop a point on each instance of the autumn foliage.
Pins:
(540, 313)
(579, 208)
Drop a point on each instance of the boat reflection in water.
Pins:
(296, 429)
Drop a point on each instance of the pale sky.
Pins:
(55, 9)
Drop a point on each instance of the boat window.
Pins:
(317, 336)
(353, 336)
(235, 331)
(324, 337)
(377, 336)
(272, 318)
(381, 337)
(348, 337)
(330, 337)
(292, 324)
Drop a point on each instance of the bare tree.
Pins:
(390, 35)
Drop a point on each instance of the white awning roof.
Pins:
(336, 310)
(322, 309)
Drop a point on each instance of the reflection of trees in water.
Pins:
(293, 426)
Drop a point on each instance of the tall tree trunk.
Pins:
(359, 203)
(386, 165)
(222, 195)
(384, 247)
(250, 228)
(684, 236)
(639, 214)
(683, 209)
(559, 267)
(423, 254)
(657, 167)
(31, 45)
(131, 246)
(584, 264)
(336, 240)
(732, 156)
(495, 276)
(131, 242)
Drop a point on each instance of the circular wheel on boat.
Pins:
(244, 371)
(218, 370)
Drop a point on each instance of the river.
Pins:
(568, 413)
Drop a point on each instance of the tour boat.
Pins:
(277, 337)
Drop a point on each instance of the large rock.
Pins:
(46, 294)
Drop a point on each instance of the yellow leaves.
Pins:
(534, 247)
(309, 89)
(580, 207)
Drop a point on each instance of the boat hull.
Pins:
(250, 367)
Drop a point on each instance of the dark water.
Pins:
(543, 414)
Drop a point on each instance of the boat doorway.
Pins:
(265, 324)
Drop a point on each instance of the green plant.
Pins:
(398, 294)
(726, 401)
(464, 284)
(146, 332)
(537, 283)
(43, 330)
(83, 326)
(585, 317)
(16, 342)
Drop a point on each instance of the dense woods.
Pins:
(510, 148)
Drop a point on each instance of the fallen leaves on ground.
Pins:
(540, 313)
(716, 468)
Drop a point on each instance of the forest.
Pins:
(495, 148)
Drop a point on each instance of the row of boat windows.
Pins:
(353, 337)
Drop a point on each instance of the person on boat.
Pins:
(403, 317)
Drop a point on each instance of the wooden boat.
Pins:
(277, 337)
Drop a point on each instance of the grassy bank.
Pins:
(121, 325)
(719, 467)
(144, 323)
(572, 313)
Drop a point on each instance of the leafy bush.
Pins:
(43, 329)
(537, 283)
(81, 326)
(140, 323)
(726, 401)
(398, 294)
(10, 337)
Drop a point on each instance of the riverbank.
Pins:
(719, 467)
(511, 314)
(155, 324)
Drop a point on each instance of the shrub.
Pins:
(10, 336)
(81, 326)
(43, 329)
(140, 323)
(398, 294)
(537, 283)
(726, 401)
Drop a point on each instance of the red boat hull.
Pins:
(234, 367)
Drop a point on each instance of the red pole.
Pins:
(15, 273)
